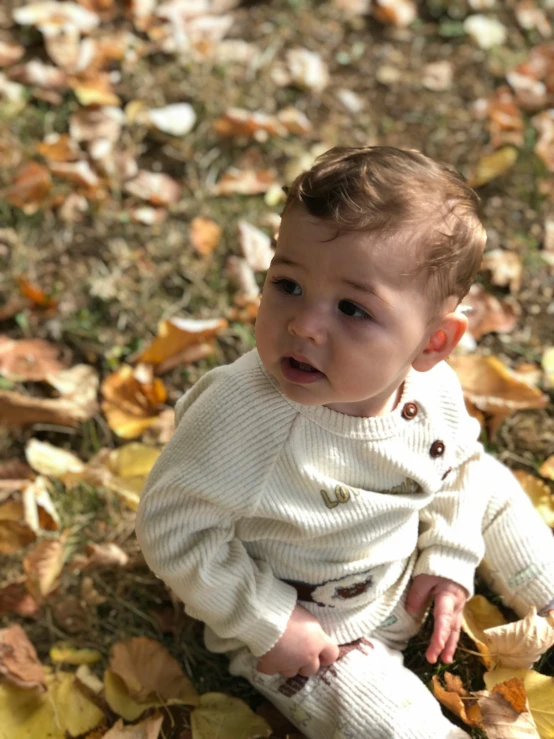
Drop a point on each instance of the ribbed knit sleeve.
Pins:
(211, 474)
(450, 543)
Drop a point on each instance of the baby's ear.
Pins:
(445, 336)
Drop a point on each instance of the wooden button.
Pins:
(437, 449)
(409, 411)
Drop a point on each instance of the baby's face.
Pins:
(340, 323)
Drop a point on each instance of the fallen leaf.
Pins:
(15, 533)
(243, 277)
(307, 69)
(238, 122)
(176, 334)
(39, 511)
(486, 32)
(494, 388)
(506, 124)
(244, 182)
(148, 670)
(59, 148)
(88, 680)
(92, 124)
(18, 411)
(454, 697)
(514, 692)
(62, 652)
(155, 187)
(15, 598)
(94, 90)
(10, 52)
(489, 313)
(547, 468)
(491, 166)
(530, 17)
(106, 554)
(205, 235)
(19, 663)
(30, 187)
(132, 399)
(27, 714)
(530, 79)
(71, 615)
(177, 119)
(80, 173)
(539, 493)
(78, 388)
(49, 16)
(544, 148)
(43, 566)
(502, 721)
(480, 614)
(519, 645)
(47, 459)
(255, 245)
(505, 268)
(540, 695)
(398, 13)
(42, 75)
(148, 729)
(35, 295)
(219, 716)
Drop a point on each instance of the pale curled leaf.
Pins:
(18, 659)
(519, 645)
(480, 614)
(148, 729)
(540, 695)
(43, 566)
(502, 721)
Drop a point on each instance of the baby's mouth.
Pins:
(304, 366)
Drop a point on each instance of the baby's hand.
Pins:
(450, 599)
(302, 650)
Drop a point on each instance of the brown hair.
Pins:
(385, 190)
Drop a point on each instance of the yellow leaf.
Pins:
(454, 697)
(66, 653)
(540, 694)
(540, 495)
(175, 334)
(133, 460)
(220, 716)
(547, 467)
(48, 459)
(121, 702)
(480, 614)
(28, 714)
(132, 400)
(147, 729)
(491, 166)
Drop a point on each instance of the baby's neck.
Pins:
(352, 409)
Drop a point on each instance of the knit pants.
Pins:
(368, 693)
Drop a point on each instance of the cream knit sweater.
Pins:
(254, 489)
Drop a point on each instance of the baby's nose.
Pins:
(309, 324)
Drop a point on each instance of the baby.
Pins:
(320, 491)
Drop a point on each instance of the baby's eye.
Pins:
(352, 310)
(288, 286)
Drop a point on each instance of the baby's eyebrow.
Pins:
(365, 288)
(286, 262)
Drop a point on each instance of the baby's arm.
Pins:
(209, 477)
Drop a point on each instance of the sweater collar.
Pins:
(355, 427)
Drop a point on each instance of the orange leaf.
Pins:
(31, 185)
(204, 235)
(177, 334)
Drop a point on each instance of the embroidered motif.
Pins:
(342, 495)
(353, 590)
(407, 487)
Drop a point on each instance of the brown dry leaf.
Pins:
(531, 79)
(28, 359)
(59, 148)
(30, 187)
(15, 598)
(148, 669)
(544, 148)
(10, 52)
(491, 166)
(505, 267)
(64, 48)
(19, 663)
(502, 721)
(96, 123)
(547, 468)
(15, 533)
(220, 716)
(89, 594)
(539, 493)
(148, 729)
(531, 17)
(17, 411)
(155, 187)
(43, 76)
(307, 69)
(479, 615)
(489, 314)
(78, 388)
(238, 122)
(132, 399)
(177, 334)
(107, 554)
(205, 235)
(494, 388)
(43, 566)
(519, 645)
(80, 173)
(71, 615)
(15, 471)
(506, 124)
(540, 695)
(451, 697)
(94, 90)
(244, 182)
(242, 276)
(148, 216)
(255, 245)
(398, 13)
(49, 17)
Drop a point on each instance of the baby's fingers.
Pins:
(443, 614)
(452, 641)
